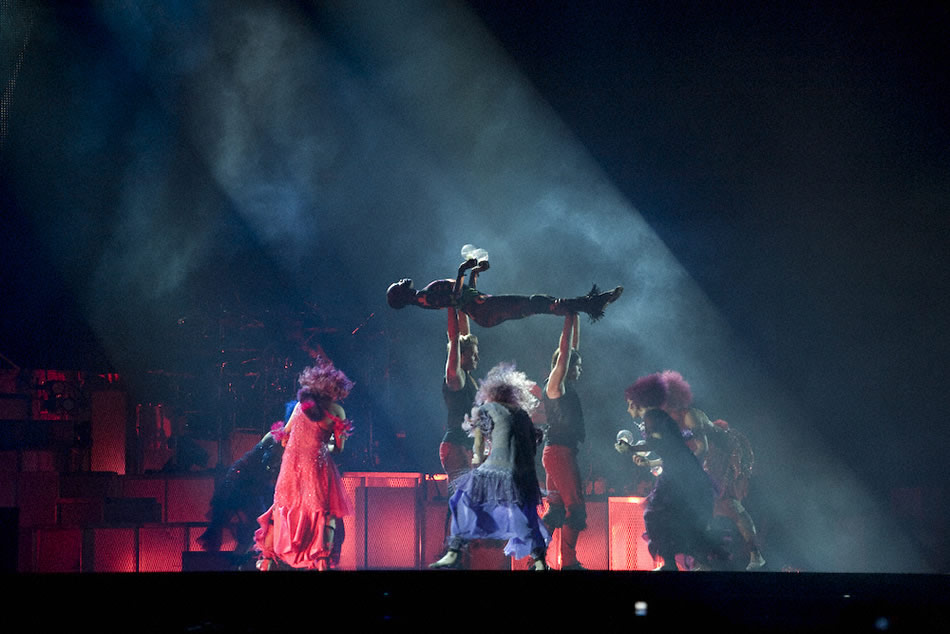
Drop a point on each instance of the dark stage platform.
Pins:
(453, 601)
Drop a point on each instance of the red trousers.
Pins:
(565, 497)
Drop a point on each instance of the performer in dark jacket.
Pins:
(680, 507)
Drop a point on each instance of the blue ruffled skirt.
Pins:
(488, 505)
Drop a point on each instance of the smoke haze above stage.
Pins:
(187, 179)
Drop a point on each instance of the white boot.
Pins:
(449, 560)
(756, 561)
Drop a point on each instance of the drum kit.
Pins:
(228, 376)
(226, 372)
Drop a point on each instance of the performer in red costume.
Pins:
(309, 499)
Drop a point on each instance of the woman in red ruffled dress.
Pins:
(309, 499)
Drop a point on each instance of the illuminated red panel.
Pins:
(393, 480)
(109, 426)
(393, 539)
(58, 549)
(485, 554)
(385, 532)
(434, 529)
(189, 498)
(113, 549)
(351, 555)
(160, 548)
(591, 543)
(592, 550)
(628, 549)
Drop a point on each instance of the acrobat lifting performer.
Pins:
(490, 310)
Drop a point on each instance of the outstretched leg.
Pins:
(594, 303)
(491, 310)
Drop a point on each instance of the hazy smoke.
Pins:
(264, 150)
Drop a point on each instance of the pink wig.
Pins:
(679, 395)
(323, 381)
(648, 391)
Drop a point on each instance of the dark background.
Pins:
(191, 190)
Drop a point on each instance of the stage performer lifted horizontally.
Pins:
(499, 498)
(490, 310)
(309, 499)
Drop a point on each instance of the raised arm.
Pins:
(454, 377)
(555, 387)
(576, 337)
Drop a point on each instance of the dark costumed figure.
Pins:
(245, 492)
(491, 310)
(309, 500)
(499, 498)
(726, 455)
(679, 509)
(563, 435)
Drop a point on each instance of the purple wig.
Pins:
(323, 381)
(648, 391)
(504, 384)
(679, 395)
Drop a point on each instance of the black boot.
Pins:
(593, 303)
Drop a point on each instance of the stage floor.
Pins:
(451, 601)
